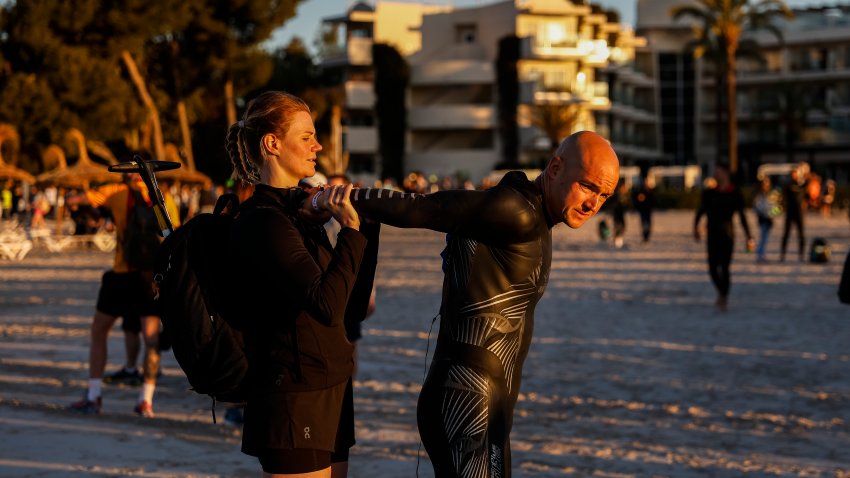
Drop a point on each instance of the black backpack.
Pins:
(194, 281)
(141, 235)
(820, 251)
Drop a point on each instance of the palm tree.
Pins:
(721, 22)
(556, 120)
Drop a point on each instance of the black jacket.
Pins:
(293, 291)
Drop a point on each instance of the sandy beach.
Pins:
(633, 372)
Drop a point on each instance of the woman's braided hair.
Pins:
(271, 112)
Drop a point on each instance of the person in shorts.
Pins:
(125, 291)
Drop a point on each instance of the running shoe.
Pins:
(129, 377)
(86, 406)
(144, 409)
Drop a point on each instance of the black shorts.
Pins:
(303, 460)
(128, 295)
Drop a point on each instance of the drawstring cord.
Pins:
(424, 375)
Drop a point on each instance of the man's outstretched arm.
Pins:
(497, 215)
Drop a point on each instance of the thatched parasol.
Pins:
(186, 174)
(82, 173)
(9, 171)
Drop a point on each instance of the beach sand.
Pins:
(632, 373)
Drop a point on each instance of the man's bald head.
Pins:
(583, 173)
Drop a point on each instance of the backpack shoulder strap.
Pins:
(226, 204)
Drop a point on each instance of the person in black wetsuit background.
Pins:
(496, 264)
(793, 195)
(644, 203)
(720, 204)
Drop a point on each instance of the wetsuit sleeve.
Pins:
(499, 215)
(300, 279)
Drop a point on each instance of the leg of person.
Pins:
(725, 276)
(110, 302)
(786, 231)
(761, 249)
(101, 324)
(129, 374)
(716, 272)
(461, 431)
(150, 330)
(801, 238)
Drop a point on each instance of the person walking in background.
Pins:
(720, 204)
(496, 264)
(793, 199)
(294, 289)
(766, 208)
(127, 289)
(644, 202)
(620, 203)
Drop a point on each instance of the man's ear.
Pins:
(554, 167)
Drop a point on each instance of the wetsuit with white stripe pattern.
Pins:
(496, 264)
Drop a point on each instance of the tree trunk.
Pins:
(336, 140)
(718, 111)
(182, 117)
(229, 102)
(158, 145)
(184, 132)
(732, 114)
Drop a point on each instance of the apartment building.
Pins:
(356, 30)
(453, 99)
(793, 105)
(454, 93)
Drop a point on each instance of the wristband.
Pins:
(315, 201)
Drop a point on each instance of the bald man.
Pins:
(496, 264)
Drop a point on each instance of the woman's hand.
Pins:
(336, 200)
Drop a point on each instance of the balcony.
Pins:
(594, 52)
(357, 52)
(360, 139)
(443, 72)
(359, 95)
(452, 117)
(594, 94)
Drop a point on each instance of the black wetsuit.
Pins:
(793, 197)
(496, 264)
(720, 207)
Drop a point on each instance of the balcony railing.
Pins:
(359, 95)
(453, 72)
(361, 139)
(592, 51)
(452, 116)
(357, 51)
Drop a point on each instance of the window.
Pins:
(466, 33)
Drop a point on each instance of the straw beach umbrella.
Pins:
(7, 170)
(82, 173)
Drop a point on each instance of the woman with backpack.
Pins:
(293, 289)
